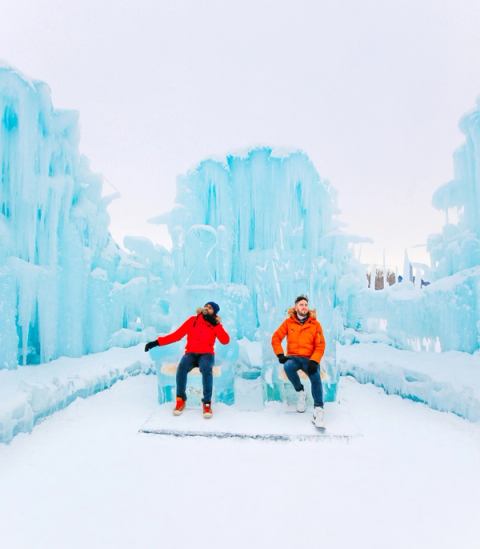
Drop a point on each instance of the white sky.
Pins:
(371, 90)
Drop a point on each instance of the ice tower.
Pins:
(458, 246)
(252, 232)
(65, 286)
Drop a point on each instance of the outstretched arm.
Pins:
(277, 338)
(177, 334)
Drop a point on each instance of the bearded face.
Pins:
(208, 310)
(301, 307)
(209, 315)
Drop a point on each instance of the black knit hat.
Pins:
(301, 298)
(214, 306)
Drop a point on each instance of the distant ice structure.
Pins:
(252, 232)
(444, 316)
(65, 287)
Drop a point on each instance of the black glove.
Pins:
(151, 345)
(282, 358)
(312, 367)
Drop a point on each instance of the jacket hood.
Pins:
(312, 313)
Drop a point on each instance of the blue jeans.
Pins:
(295, 363)
(205, 362)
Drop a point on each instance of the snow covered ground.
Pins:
(30, 393)
(445, 381)
(85, 477)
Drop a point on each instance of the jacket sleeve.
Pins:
(221, 334)
(277, 338)
(319, 348)
(177, 334)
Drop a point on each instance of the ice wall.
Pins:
(441, 317)
(458, 246)
(65, 286)
(255, 230)
(445, 315)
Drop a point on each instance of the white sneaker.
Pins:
(319, 417)
(301, 402)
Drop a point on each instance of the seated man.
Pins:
(305, 348)
(201, 330)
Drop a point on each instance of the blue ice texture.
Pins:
(66, 288)
(250, 230)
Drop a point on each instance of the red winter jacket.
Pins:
(200, 335)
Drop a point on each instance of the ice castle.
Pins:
(250, 231)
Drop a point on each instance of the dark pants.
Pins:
(205, 362)
(295, 363)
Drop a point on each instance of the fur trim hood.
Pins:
(312, 313)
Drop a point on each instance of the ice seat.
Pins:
(171, 370)
(303, 376)
(222, 385)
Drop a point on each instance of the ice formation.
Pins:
(458, 246)
(252, 232)
(445, 315)
(65, 286)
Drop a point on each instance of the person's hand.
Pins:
(151, 345)
(282, 358)
(312, 367)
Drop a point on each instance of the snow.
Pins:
(447, 381)
(250, 231)
(275, 421)
(86, 478)
(444, 381)
(30, 393)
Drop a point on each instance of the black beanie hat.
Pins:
(214, 306)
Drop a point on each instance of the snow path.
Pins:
(85, 478)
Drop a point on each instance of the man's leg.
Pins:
(316, 383)
(291, 368)
(205, 364)
(187, 362)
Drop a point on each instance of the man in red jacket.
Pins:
(201, 330)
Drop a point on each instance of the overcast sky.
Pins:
(372, 91)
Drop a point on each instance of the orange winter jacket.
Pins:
(302, 339)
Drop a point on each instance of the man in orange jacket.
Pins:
(305, 349)
(201, 330)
